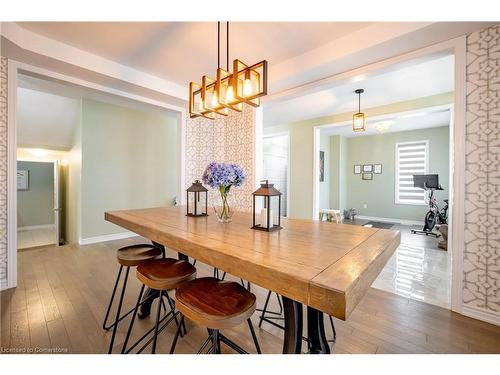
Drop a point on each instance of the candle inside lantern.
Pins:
(263, 218)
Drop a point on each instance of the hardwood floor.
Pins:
(63, 292)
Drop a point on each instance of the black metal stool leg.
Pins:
(174, 343)
(172, 308)
(104, 324)
(254, 337)
(157, 323)
(333, 329)
(133, 319)
(279, 302)
(264, 309)
(115, 326)
(215, 342)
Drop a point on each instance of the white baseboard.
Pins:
(485, 316)
(107, 237)
(390, 220)
(33, 227)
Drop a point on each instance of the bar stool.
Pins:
(215, 304)
(128, 256)
(162, 275)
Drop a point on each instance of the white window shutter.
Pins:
(411, 159)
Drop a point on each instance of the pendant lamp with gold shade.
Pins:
(358, 119)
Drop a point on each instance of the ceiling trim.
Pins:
(46, 73)
(367, 37)
(42, 45)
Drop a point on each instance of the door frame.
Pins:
(14, 69)
(56, 166)
(286, 134)
(457, 47)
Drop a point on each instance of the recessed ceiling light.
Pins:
(358, 78)
(415, 114)
(382, 126)
(38, 152)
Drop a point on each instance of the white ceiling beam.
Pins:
(54, 49)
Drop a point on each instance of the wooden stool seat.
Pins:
(165, 274)
(132, 256)
(214, 303)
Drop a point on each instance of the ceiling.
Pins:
(49, 111)
(421, 119)
(412, 81)
(184, 51)
(45, 120)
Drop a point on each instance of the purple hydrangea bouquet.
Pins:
(223, 176)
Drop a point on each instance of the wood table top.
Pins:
(324, 265)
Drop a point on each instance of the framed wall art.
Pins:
(368, 168)
(367, 176)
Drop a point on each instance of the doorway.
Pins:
(276, 152)
(38, 204)
(372, 175)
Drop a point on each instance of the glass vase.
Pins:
(223, 210)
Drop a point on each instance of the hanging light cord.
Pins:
(218, 44)
(227, 46)
(359, 102)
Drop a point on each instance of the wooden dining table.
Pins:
(324, 266)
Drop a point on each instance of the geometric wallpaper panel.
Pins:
(225, 139)
(3, 168)
(482, 190)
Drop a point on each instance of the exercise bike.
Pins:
(435, 215)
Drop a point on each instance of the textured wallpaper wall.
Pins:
(229, 139)
(482, 190)
(3, 169)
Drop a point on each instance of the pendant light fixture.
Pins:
(229, 90)
(358, 119)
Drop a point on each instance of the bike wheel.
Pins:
(430, 221)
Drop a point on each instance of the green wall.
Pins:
(36, 205)
(379, 194)
(129, 160)
(73, 186)
(301, 147)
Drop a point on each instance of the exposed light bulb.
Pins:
(247, 87)
(215, 101)
(229, 94)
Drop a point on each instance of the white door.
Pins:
(57, 203)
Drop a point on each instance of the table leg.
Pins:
(147, 301)
(318, 344)
(292, 342)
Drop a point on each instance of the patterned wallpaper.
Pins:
(3, 169)
(482, 190)
(228, 139)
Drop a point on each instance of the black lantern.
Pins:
(199, 201)
(267, 220)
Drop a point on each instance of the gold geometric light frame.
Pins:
(248, 84)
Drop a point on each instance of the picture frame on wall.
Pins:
(23, 179)
(367, 168)
(377, 168)
(321, 166)
(367, 176)
(357, 168)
